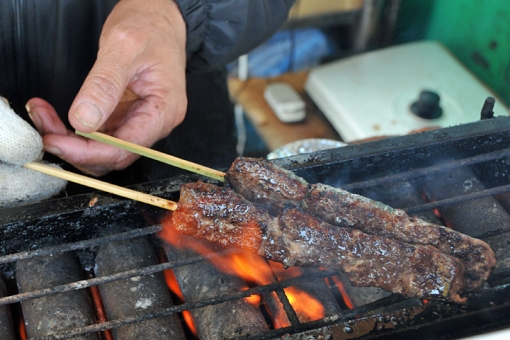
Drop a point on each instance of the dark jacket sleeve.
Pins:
(218, 31)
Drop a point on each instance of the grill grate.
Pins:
(155, 313)
(71, 225)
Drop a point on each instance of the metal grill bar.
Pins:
(415, 173)
(458, 199)
(291, 314)
(6, 326)
(96, 281)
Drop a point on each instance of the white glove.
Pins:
(20, 144)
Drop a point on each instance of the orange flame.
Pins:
(234, 264)
(246, 265)
(22, 330)
(347, 300)
(171, 282)
(251, 268)
(306, 306)
(100, 311)
(253, 300)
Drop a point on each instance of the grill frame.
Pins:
(482, 145)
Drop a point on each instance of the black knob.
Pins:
(427, 105)
(487, 108)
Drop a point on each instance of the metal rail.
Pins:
(80, 244)
(416, 173)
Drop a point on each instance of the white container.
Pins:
(370, 95)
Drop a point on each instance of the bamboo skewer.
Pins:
(156, 155)
(103, 186)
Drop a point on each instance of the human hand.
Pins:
(141, 50)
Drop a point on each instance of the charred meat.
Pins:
(298, 238)
(219, 215)
(342, 208)
(266, 183)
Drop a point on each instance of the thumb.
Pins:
(97, 99)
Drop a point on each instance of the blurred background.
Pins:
(326, 32)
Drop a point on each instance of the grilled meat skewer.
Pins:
(297, 238)
(265, 183)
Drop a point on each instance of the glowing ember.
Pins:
(22, 330)
(171, 282)
(253, 300)
(99, 307)
(347, 300)
(306, 306)
(188, 319)
(173, 285)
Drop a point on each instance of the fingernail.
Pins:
(29, 107)
(32, 113)
(88, 114)
(53, 150)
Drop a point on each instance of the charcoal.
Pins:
(137, 295)
(400, 195)
(504, 200)
(53, 313)
(477, 218)
(202, 280)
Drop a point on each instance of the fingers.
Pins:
(44, 117)
(98, 95)
(89, 156)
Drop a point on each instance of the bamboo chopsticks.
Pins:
(103, 186)
(124, 192)
(156, 155)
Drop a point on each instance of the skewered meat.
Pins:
(342, 208)
(264, 182)
(220, 216)
(297, 238)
